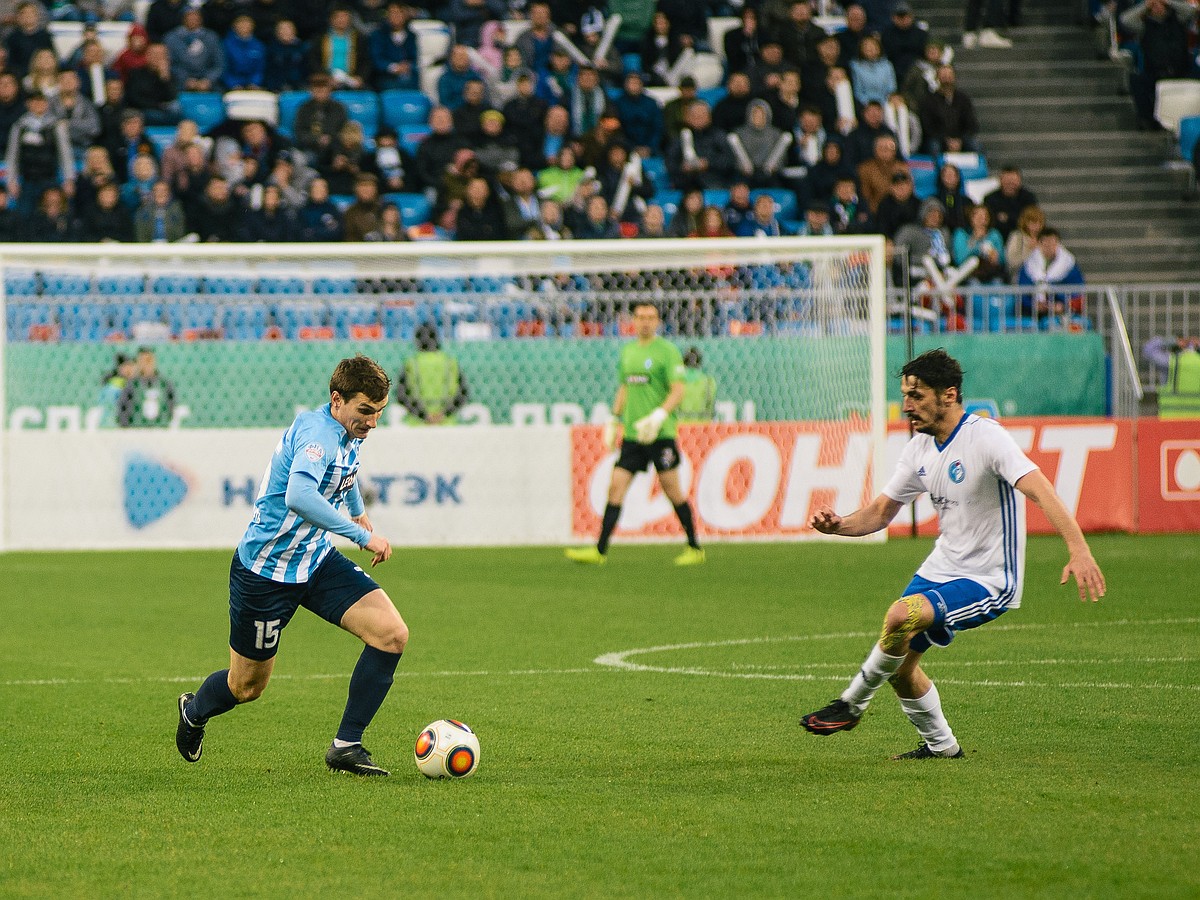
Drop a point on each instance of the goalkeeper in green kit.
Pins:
(652, 378)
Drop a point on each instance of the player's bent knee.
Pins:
(246, 691)
(905, 618)
(395, 640)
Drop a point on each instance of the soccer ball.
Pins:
(447, 749)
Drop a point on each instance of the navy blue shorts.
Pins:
(957, 606)
(259, 608)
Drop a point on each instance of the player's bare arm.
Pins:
(1081, 564)
(873, 517)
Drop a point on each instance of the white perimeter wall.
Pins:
(194, 488)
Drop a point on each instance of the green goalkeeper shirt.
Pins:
(648, 371)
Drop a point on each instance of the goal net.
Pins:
(791, 332)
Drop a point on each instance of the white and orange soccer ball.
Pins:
(447, 749)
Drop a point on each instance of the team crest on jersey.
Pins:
(649, 364)
(957, 471)
(315, 452)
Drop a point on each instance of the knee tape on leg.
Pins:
(913, 605)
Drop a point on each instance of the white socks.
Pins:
(926, 714)
(877, 669)
(342, 745)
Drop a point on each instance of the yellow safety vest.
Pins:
(1179, 398)
(432, 378)
(699, 402)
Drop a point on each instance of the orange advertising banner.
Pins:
(763, 480)
(1168, 475)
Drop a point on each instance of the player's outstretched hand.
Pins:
(1088, 577)
(379, 546)
(826, 521)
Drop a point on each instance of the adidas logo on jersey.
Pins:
(921, 472)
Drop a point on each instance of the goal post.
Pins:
(793, 330)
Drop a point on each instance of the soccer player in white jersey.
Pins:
(969, 466)
(286, 560)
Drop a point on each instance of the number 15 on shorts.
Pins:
(266, 634)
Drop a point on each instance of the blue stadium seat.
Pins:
(669, 201)
(1189, 133)
(343, 316)
(712, 96)
(83, 321)
(342, 284)
(293, 316)
(399, 321)
(979, 170)
(411, 137)
(175, 285)
(228, 284)
(656, 168)
(19, 283)
(717, 197)
(59, 284)
(120, 285)
(363, 107)
(205, 108)
(786, 206)
(404, 107)
(21, 317)
(191, 316)
(632, 62)
(414, 208)
(123, 315)
(161, 136)
(276, 285)
(289, 103)
(244, 321)
(342, 201)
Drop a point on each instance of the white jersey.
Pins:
(981, 517)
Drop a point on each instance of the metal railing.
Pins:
(1126, 316)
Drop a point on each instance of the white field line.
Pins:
(619, 661)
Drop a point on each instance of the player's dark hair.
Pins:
(938, 369)
(360, 375)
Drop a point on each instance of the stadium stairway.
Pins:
(1050, 106)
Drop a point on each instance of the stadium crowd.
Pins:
(553, 134)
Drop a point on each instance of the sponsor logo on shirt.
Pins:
(957, 471)
(315, 452)
(942, 503)
(637, 379)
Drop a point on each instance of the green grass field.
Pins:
(682, 774)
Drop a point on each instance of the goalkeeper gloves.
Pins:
(648, 427)
(612, 429)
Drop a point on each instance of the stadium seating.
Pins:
(83, 321)
(124, 315)
(205, 108)
(401, 108)
(351, 319)
(1176, 99)
(244, 321)
(411, 137)
(161, 136)
(293, 317)
(1189, 133)
(786, 206)
(363, 108)
(414, 208)
(175, 285)
(289, 104)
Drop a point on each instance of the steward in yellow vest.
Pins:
(699, 391)
(431, 386)
(1179, 398)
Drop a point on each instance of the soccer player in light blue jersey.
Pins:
(973, 471)
(286, 560)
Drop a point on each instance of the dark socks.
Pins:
(684, 511)
(213, 698)
(611, 514)
(368, 687)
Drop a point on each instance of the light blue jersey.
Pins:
(313, 471)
